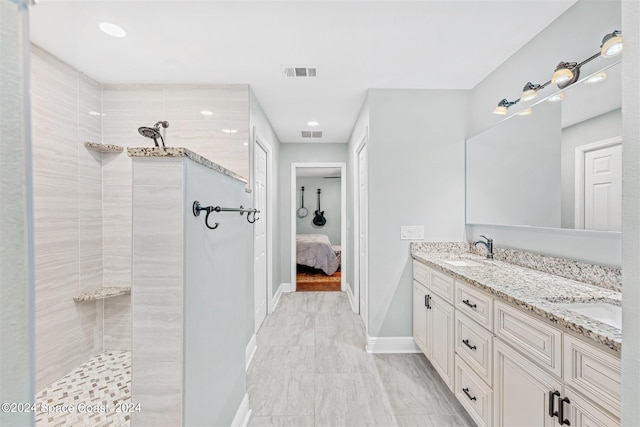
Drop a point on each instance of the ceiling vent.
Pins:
(300, 71)
(311, 134)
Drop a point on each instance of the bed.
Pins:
(315, 250)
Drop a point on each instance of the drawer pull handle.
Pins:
(466, 301)
(466, 342)
(552, 395)
(561, 419)
(466, 391)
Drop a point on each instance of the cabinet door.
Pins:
(440, 333)
(581, 412)
(420, 317)
(522, 390)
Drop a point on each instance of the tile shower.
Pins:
(82, 216)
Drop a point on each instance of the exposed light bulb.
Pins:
(612, 44)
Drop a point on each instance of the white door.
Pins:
(363, 228)
(260, 237)
(603, 189)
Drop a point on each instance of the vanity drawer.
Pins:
(473, 394)
(474, 303)
(442, 285)
(421, 273)
(533, 338)
(594, 372)
(474, 344)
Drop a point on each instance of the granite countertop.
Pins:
(533, 291)
(182, 152)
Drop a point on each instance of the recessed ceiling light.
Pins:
(95, 113)
(112, 29)
(246, 143)
(230, 130)
(596, 78)
(206, 113)
(313, 123)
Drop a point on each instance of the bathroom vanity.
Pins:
(519, 346)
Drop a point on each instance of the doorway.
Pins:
(318, 227)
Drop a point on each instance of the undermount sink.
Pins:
(462, 263)
(601, 311)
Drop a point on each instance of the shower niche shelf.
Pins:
(103, 148)
(102, 293)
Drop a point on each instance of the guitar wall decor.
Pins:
(302, 212)
(319, 219)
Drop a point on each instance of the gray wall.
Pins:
(589, 22)
(598, 128)
(298, 153)
(329, 203)
(416, 177)
(16, 248)
(631, 213)
(214, 342)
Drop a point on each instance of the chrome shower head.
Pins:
(154, 132)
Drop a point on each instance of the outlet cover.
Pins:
(412, 232)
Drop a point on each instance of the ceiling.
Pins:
(355, 45)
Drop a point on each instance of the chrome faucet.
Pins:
(488, 244)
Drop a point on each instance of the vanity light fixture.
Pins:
(566, 73)
(112, 29)
(556, 97)
(503, 106)
(526, 112)
(596, 78)
(611, 44)
(529, 92)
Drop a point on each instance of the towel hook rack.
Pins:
(197, 208)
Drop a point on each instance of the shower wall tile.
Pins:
(157, 294)
(117, 323)
(67, 215)
(157, 386)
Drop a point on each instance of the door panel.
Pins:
(603, 189)
(260, 237)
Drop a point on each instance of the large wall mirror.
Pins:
(558, 167)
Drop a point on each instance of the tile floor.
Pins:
(311, 369)
(89, 395)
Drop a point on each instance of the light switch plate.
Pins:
(412, 232)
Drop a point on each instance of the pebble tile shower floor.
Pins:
(104, 381)
(311, 369)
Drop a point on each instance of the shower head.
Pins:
(154, 132)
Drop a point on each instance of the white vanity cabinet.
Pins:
(433, 319)
(508, 366)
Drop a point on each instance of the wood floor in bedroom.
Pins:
(312, 280)
(311, 369)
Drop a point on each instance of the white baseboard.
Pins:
(391, 345)
(242, 414)
(352, 300)
(287, 287)
(250, 351)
